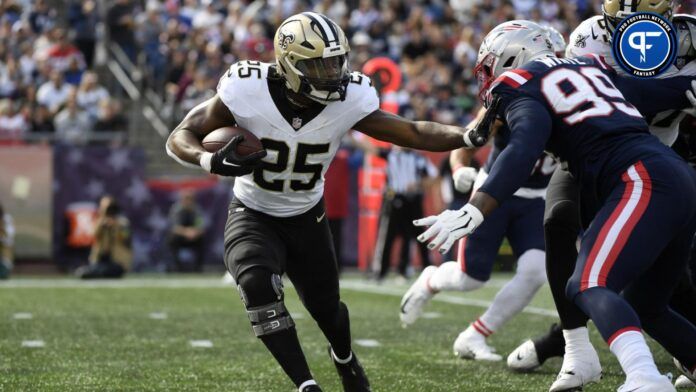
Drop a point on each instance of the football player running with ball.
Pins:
(640, 195)
(299, 107)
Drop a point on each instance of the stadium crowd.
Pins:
(188, 44)
(48, 87)
(47, 83)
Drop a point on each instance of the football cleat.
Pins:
(310, 387)
(578, 370)
(352, 374)
(683, 382)
(470, 344)
(524, 358)
(417, 296)
(641, 383)
(690, 375)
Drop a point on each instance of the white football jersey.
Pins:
(290, 180)
(591, 37)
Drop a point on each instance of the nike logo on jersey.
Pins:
(594, 36)
(228, 163)
(319, 218)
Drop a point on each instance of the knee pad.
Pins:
(563, 213)
(262, 295)
(531, 266)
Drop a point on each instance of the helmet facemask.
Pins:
(484, 75)
(324, 79)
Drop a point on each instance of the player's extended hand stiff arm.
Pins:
(449, 226)
(478, 136)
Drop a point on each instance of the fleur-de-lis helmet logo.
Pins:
(285, 39)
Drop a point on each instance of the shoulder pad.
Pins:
(589, 37)
(241, 82)
(362, 93)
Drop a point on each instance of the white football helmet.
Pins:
(508, 46)
(557, 40)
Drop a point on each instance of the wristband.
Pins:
(204, 161)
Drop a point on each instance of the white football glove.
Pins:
(691, 96)
(449, 226)
(464, 178)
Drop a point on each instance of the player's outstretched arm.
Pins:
(184, 143)
(422, 135)
(530, 126)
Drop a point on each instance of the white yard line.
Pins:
(22, 316)
(33, 343)
(201, 343)
(209, 282)
(158, 315)
(367, 342)
(368, 287)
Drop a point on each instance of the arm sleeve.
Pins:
(652, 96)
(530, 126)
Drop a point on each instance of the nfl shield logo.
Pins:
(297, 123)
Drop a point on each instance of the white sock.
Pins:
(339, 360)
(577, 341)
(519, 291)
(633, 354)
(306, 383)
(450, 277)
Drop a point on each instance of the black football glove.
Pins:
(226, 162)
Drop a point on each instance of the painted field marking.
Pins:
(367, 287)
(367, 343)
(22, 316)
(201, 343)
(158, 315)
(33, 343)
(431, 315)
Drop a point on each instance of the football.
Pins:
(220, 137)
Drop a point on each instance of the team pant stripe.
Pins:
(620, 332)
(617, 229)
(646, 184)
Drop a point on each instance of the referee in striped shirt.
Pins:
(408, 173)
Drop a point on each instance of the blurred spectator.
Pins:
(41, 17)
(186, 235)
(90, 94)
(197, 92)
(111, 254)
(110, 118)
(12, 123)
(63, 55)
(7, 235)
(54, 93)
(83, 19)
(408, 174)
(10, 77)
(41, 121)
(72, 124)
(120, 19)
(207, 17)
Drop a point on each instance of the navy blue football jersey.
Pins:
(543, 169)
(573, 109)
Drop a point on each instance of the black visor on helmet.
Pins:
(328, 74)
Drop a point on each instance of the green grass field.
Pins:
(100, 336)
